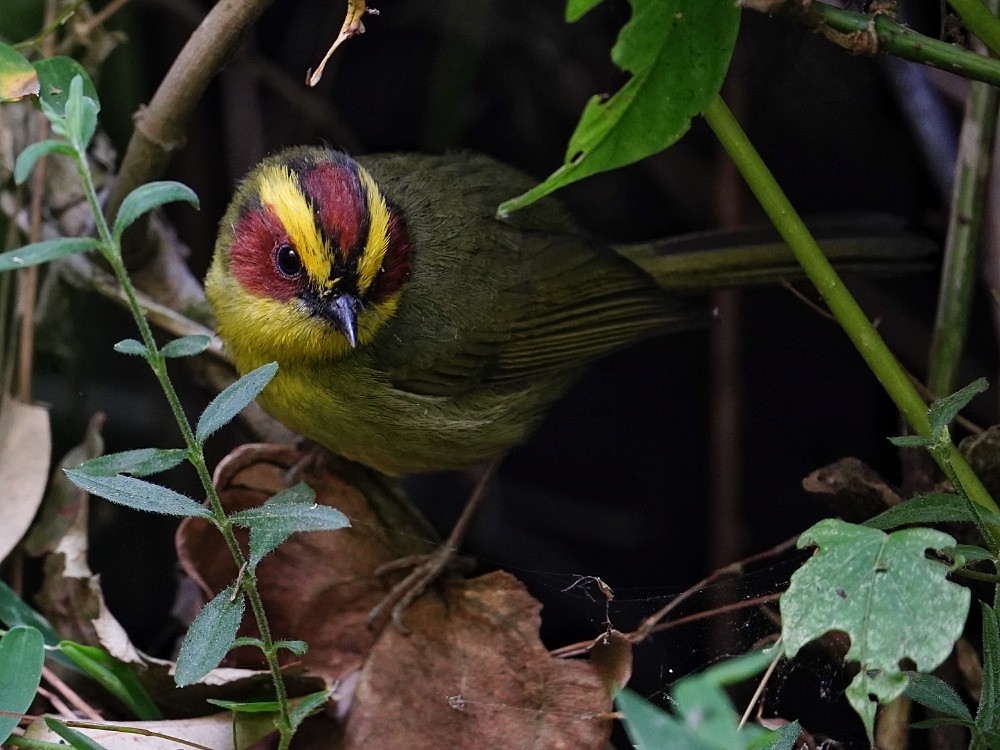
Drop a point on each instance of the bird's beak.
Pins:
(341, 310)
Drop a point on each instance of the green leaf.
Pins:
(780, 739)
(22, 654)
(678, 53)
(28, 158)
(132, 348)
(14, 612)
(576, 9)
(77, 740)
(963, 554)
(299, 648)
(186, 346)
(936, 694)
(307, 705)
(883, 592)
(651, 727)
(114, 677)
(911, 441)
(944, 410)
(139, 463)
(293, 510)
(210, 636)
(147, 197)
(233, 400)
(45, 251)
(17, 77)
(55, 75)
(241, 707)
(986, 716)
(81, 116)
(138, 494)
(941, 507)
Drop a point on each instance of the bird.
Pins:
(414, 330)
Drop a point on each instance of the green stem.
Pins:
(958, 276)
(980, 20)
(845, 309)
(862, 33)
(196, 455)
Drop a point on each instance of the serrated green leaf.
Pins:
(307, 705)
(233, 400)
(883, 592)
(17, 77)
(940, 507)
(28, 158)
(944, 410)
(113, 676)
(936, 694)
(678, 53)
(131, 347)
(138, 494)
(22, 654)
(149, 196)
(186, 346)
(77, 740)
(989, 710)
(139, 463)
(45, 251)
(55, 75)
(299, 648)
(576, 9)
(210, 637)
(911, 441)
(293, 510)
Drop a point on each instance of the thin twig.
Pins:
(71, 696)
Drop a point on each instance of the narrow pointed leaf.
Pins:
(45, 251)
(186, 346)
(114, 677)
(22, 653)
(299, 648)
(77, 740)
(139, 463)
(138, 494)
(780, 739)
(940, 507)
(132, 348)
(81, 115)
(210, 637)
(149, 196)
(936, 694)
(989, 712)
(233, 400)
(576, 9)
(28, 158)
(944, 410)
(911, 441)
(287, 512)
(308, 705)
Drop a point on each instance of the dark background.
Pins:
(614, 483)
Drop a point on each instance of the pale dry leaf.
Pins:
(25, 452)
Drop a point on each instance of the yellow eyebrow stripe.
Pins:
(377, 241)
(279, 190)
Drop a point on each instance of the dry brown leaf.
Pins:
(853, 490)
(473, 672)
(319, 586)
(25, 452)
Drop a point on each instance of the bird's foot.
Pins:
(428, 568)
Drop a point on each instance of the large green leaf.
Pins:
(55, 75)
(883, 592)
(22, 653)
(678, 53)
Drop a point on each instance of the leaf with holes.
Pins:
(883, 592)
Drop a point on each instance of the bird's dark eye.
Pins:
(287, 260)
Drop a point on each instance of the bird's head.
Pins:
(310, 261)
